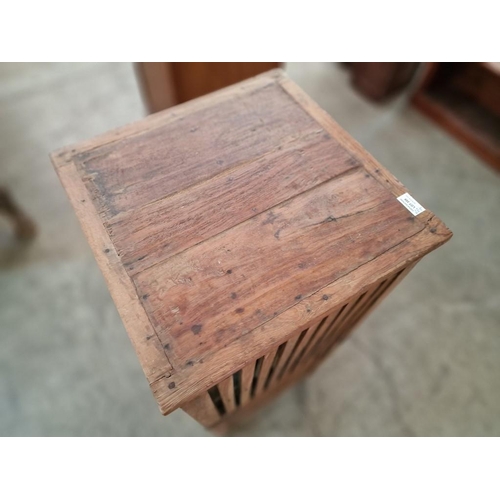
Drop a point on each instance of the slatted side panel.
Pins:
(352, 314)
(297, 355)
(250, 382)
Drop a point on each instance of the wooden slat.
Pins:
(360, 303)
(308, 342)
(226, 390)
(329, 336)
(113, 138)
(374, 296)
(285, 355)
(299, 350)
(160, 230)
(246, 382)
(338, 331)
(322, 330)
(264, 370)
(151, 353)
(335, 327)
(188, 151)
(390, 285)
(203, 410)
(339, 319)
(330, 327)
(371, 165)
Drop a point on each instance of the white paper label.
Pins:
(411, 204)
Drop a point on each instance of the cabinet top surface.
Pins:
(221, 223)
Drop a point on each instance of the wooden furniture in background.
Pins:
(242, 235)
(381, 80)
(464, 99)
(24, 227)
(165, 84)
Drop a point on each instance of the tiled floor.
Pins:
(427, 362)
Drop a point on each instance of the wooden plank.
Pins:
(358, 304)
(322, 330)
(337, 329)
(112, 139)
(162, 229)
(338, 319)
(151, 352)
(264, 370)
(376, 300)
(171, 158)
(203, 410)
(308, 341)
(290, 251)
(226, 389)
(373, 298)
(298, 352)
(370, 164)
(331, 325)
(246, 382)
(284, 359)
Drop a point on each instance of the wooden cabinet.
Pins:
(243, 236)
(165, 84)
(381, 80)
(464, 99)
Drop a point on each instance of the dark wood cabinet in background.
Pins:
(381, 80)
(165, 84)
(464, 99)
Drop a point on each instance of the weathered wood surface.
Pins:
(226, 390)
(225, 224)
(269, 263)
(225, 200)
(192, 148)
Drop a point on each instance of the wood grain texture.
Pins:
(165, 228)
(246, 382)
(286, 248)
(192, 149)
(275, 331)
(227, 226)
(285, 357)
(312, 356)
(153, 358)
(264, 370)
(226, 390)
